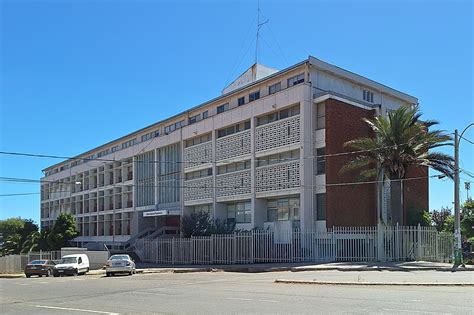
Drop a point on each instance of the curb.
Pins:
(298, 269)
(11, 276)
(351, 283)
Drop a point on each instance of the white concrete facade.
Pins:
(252, 163)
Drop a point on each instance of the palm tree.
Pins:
(401, 141)
(12, 245)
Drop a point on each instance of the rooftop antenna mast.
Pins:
(259, 25)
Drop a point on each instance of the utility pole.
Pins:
(457, 214)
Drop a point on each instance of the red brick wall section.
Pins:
(415, 190)
(348, 205)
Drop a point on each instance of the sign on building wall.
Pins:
(155, 213)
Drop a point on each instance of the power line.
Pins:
(20, 194)
(470, 141)
(200, 162)
(237, 186)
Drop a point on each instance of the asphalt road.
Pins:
(224, 293)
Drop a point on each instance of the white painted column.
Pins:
(306, 160)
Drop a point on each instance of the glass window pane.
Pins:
(284, 113)
(272, 204)
(271, 214)
(321, 206)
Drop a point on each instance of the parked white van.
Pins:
(72, 265)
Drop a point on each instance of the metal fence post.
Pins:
(418, 247)
(380, 241)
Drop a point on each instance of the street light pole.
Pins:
(457, 212)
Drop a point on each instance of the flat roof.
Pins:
(317, 63)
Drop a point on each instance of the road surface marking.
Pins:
(412, 311)
(151, 293)
(255, 300)
(76, 310)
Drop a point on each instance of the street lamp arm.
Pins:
(465, 129)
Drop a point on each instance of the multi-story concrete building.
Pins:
(263, 154)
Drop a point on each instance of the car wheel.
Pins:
(75, 273)
(48, 273)
(87, 271)
(27, 275)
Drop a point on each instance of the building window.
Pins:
(222, 108)
(194, 119)
(169, 129)
(279, 158)
(254, 96)
(320, 161)
(198, 140)
(283, 209)
(205, 114)
(320, 116)
(199, 174)
(320, 207)
(368, 96)
(233, 129)
(150, 135)
(241, 101)
(297, 79)
(128, 143)
(272, 89)
(203, 208)
(240, 212)
(285, 113)
(233, 167)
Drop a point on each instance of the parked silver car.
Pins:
(120, 264)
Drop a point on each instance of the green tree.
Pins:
(36, 241)
(64, 230)
(15, 232)
(467, 219)
(418, 216)
(401, 141)
(11, 226)
(201, 224)
(12, 244)
(442, 219)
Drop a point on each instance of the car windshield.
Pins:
(119, 257)
(68, 260)
(38, 262)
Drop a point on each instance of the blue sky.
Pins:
(77, 74)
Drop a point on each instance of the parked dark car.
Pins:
(39, 268)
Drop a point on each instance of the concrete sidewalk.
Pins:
(276, 267)
(296, 267)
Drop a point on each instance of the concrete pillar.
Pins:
(307, 177)
(259, 213)
(253, 164)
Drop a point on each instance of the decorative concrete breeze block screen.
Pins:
(231, 184)
(277, 134)
(198, 154)
(234, 145)
(198, 189)
(278, 176)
